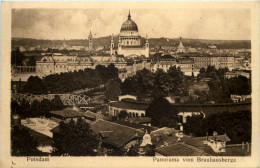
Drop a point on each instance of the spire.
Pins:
(112, 38)
(129, 16)
(181, 45)
(90, 35)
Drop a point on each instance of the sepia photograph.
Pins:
(131, 82)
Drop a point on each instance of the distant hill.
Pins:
(154, 42)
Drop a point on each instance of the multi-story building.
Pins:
(164, 63)
(129, 40)
(186, 65)
(233, 74)
(217, 61)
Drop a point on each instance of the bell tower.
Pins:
(90, 41)
(112, 45)
(146, 47)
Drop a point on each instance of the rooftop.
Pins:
(115, 134)
(130, 104)
(135, 126)
(41, 139)
(180, 149)
(90, 114)
(69, 113)
(199, 141)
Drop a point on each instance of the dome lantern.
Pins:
(129, 25)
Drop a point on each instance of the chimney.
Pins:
(136, 134)
(243, 145)
(207, 136)
(181, 128)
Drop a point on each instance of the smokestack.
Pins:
(243, 145)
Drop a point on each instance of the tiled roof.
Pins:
(135, 126)
(69, 113)
(40, 139)
(129, 105)
(118, 134)
(140, 120)
(90, 114)
(180, 149)
(166, 57)
(231, 150)
(237, 150)
(199, 141)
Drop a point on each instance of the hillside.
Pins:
(154, 42)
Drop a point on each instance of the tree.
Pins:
(34, 85)
(112, 90)
(36, 109)
(194, 124)
(133, 150)
(57, 103)
(46, 106)
(123, 114)
(22, 143)
(25, 109)
(15, 107)
(238, 127)
(17, 57)
(162, 113)
(75, 139)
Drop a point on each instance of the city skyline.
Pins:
(57, 24)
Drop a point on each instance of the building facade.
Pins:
(129, 40)
(217, 61)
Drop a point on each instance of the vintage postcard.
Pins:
(130, 84)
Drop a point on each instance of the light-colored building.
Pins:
(186, 65)
(218, 61)
(129, 40)
(180, 48)
(133, 107)
(233, 74)
(164, 63)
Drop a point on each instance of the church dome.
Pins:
(129, 25)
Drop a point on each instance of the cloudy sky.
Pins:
(225, 24)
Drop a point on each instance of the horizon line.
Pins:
(142, 37)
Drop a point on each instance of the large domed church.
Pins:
(129, 41)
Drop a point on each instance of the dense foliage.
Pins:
(122, 114)
(70, 81)
(113, 89)
(148, 84)
(238, 127)
(220, 88)
(75, 139)
(162, 113)
(19, 59)
(22, 143)
(37, 108)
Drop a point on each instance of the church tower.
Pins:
(146, 47)
(112, 46)
(180, 48)
(90, 42)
